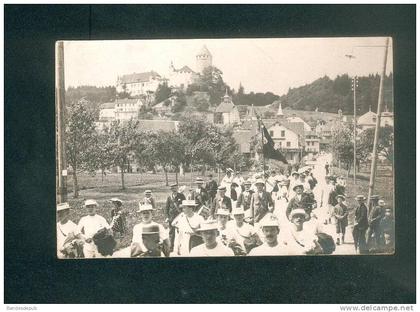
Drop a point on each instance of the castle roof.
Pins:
(225, 107)
(185, 69)
(204, 51)
(139, 77)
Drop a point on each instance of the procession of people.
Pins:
(282, 212)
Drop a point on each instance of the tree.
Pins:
(162, 92)
(80, 136)
(385, 142)
(342, 146)
(124, 140)
(201, 104)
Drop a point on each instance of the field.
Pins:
(93, 187)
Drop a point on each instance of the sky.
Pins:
(261, 65)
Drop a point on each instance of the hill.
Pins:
(327, 95)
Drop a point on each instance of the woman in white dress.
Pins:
(187, 224)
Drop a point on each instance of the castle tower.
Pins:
(203, 59)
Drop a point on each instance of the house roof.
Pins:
(225, 107)
(138, 77)
(367, 118)
(127, 101)
(156, 125)
(107, 105)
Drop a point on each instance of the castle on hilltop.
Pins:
(183, 77)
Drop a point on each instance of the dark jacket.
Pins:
(260, 205)
(245, 199)
(306, 202)
(211, 188)
(361, 218)
(201, 198)
(218, 202)
(173, 206)
(375, 217)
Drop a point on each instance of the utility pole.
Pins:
(355, 84)
(60, 123)
(378, 124)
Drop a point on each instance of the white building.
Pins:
(126, 109)
(289, 138)
(227, 113)
(312, 142)
(368, 120)
(139, 83)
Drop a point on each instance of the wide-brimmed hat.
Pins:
(150, 229)
(145, 207)
(63, 206)
(278, 178)
(116, 200)
(375, 197)
(238, 211)
(360, 197)
(381, 203)
(189, 203)
(147, 192)
(222, 212)
(174, 185)
(91, 202)
(294, 173)
(259, 181)
(298, 211)
(209, 225)
(229, 170)
(222, 188)
(298, 185)
(269, 220)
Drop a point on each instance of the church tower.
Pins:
(203, 59)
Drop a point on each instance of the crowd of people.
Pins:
(270, 213)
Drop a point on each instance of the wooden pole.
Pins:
(355, 129)
(378, 125)
(60, 123)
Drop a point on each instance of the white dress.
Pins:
(88, 226)
(186, 227)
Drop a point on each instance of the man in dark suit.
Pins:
(199, 194)
(244, 198)
(375, 217)
(297, 202)
(211, 188)
(172, 210)
(261, 202)
(360, 224)
(221, 201)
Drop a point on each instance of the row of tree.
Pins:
(196, 144)
(342, 145)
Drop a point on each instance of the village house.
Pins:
(227, 113)
(289, 138)
(368, 120)
(126, 109)
(312, 143)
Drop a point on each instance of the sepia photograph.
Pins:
(225, 147)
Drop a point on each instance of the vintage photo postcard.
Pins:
(225, 147)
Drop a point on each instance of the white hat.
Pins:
(145, 207)
(238, 211)
(298, 211)
(147, 192)
(381, 202)
(91, 202)
(269, 220)
(230, 169)
(222, 212)
(114, 199)
(188, 203)
(63, 206)
(208, 225)
(259, 181)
